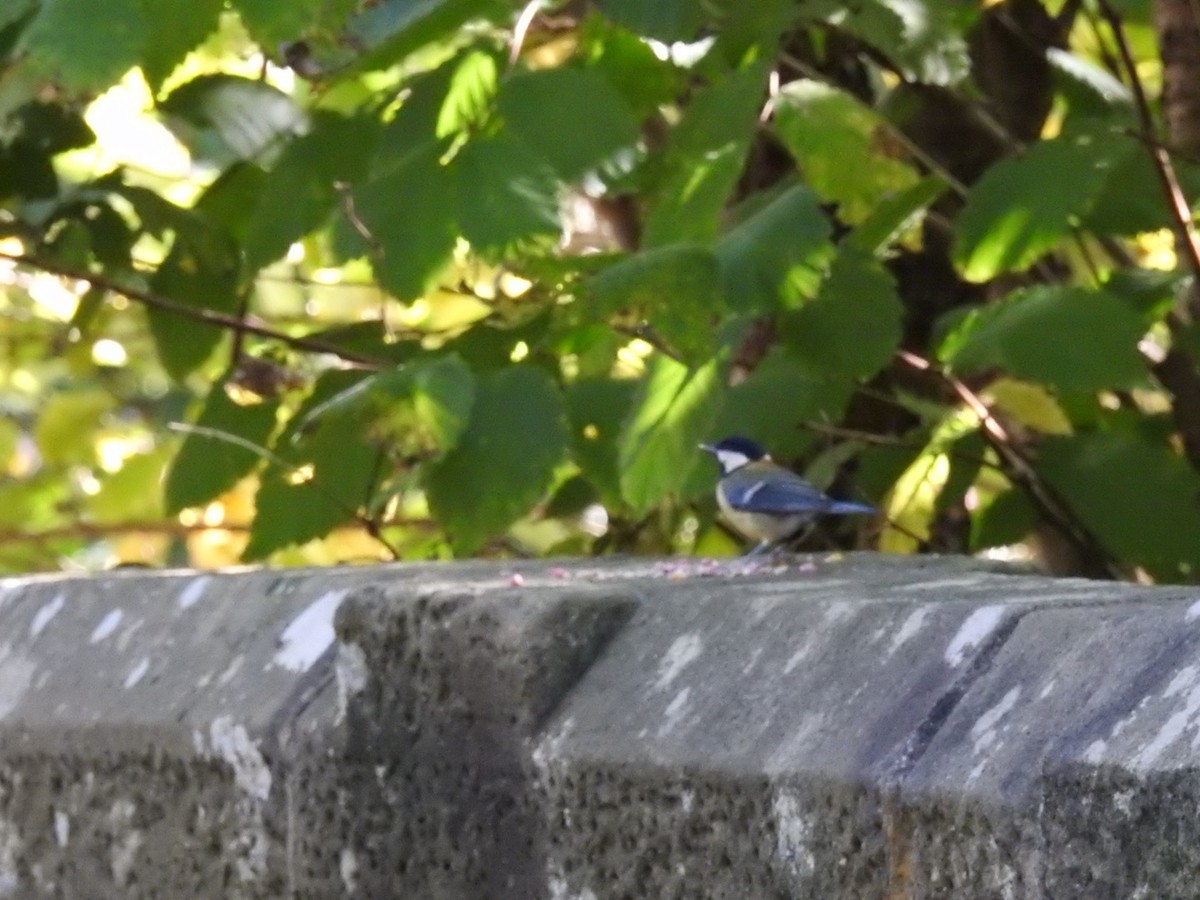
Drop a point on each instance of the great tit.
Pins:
(765, 501)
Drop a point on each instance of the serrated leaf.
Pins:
(575, 118)
(504, 462)
(852, 326)
(183, 344)
(84, 44)
(507, 193)
(1023, 206)
(596, 408)
(409, 211)
(66, 426)
(172, 31)
(299, 193)
(224, 118)
(272, 23)
(832, 135)
(1072, 338)
(331, 476)
(468, 95)
(789, 239)
(703, 159)
(675, 289)
(674, 410)
(419, 408)
(1138, 498)
(205, 466)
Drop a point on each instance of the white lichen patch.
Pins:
(138, 672)
(194, 590)
(793, 830)
(675, 711)
(310, 634)
(348, 869)
(10, 852)
(973, 632)
(62, 828)
(106, 626)
(351, 674)
(1185, 687)
(549, 748)
(48, 611)
(684, 650)
(908, 629)
(233, 744)
(126, 840)
(987, 728)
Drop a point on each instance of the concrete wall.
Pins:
(858, 727)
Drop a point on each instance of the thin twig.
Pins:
(1021, 471)
(95, 531)
(1177, 370)
(1163, 167)
(195, 313)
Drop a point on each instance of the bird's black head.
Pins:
(734, 452)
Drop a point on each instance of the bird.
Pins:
(765, 501)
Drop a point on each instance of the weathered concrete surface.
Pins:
(859, 727)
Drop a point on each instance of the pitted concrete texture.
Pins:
(859, 727)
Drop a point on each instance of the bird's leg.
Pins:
(761, 547)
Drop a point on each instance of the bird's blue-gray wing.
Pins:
(780, 492)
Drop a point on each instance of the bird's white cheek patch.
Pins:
(731, 459)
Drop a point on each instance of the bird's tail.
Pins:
(845, 507)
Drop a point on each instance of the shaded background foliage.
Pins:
(334, 280)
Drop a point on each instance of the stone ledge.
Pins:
(857, 727)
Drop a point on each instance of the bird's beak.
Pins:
(708, 448)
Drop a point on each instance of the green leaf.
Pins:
(852, 326)
(1023, 206)
(575, 118)
(205, 467)
(1072, 338)
(299, 194)
(833, 137)
(596, 408)
(506, 193)
(84, 44)
(1138, 498)
(504, 462)
(675, 409)
(419, 408)
(469, 94)
(272, 23)
(704, 157)
(172, 31)
(66, 426)
(675, 289)
(334, 471)
(201, 272)
(628, 63)
(132, 492)
(895, 214)
(223, 118)
(665, 20)
(787, 240)
(392, 30)
(409, 211)
(777, 398)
